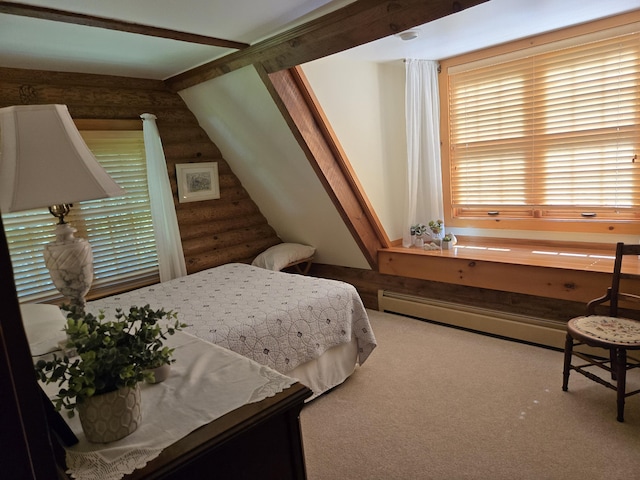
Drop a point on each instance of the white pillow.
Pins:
(281, 255)
(44, 325)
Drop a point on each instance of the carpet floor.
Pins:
(435, 402)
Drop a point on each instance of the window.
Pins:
(550, 134)
(119, 229)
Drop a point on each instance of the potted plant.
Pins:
(436, 227)
(103, 363)
(419, 230)
(447, 241)
(156, 356)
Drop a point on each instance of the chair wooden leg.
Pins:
(613, 356)
(568, 352)
(621, 374)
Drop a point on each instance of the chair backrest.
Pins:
(614, 293)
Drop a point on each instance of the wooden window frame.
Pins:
(567, 36)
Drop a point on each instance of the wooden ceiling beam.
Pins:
(292, 94)
(42, 13)
(360, 22)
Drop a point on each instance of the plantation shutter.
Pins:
(119, 229)
(554, 134)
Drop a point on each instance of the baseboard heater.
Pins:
(520, 327)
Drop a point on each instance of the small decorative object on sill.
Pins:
(110, 356)
(448, 241)
(419, 230)
(436, 228)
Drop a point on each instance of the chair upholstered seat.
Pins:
(613, 330)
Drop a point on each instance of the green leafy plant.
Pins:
(103, 356)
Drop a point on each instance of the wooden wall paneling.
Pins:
(172, 134)
(213, 227)
(201, 212)
(225, 239)
(241, 252)
(191, 150)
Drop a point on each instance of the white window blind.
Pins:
(553, 134)
(119, 229)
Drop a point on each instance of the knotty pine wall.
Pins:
(214, 232)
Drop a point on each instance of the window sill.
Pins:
(576, 272)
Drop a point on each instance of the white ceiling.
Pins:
(487, 24)
(46, 45)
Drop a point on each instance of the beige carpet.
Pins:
(433, 402)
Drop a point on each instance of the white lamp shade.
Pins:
(44, 160)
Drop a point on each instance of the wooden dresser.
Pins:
(258, 440)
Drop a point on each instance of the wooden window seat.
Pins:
(575, 272)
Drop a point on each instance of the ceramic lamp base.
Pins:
(70, 264)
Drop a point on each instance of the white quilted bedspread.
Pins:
(277, 319)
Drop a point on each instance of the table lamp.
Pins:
(44, 162)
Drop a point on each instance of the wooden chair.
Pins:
(611, 332)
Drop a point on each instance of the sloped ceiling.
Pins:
(34, 43)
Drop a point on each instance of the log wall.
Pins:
(214, 232)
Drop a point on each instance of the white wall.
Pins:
(364, 103)
(241, 118)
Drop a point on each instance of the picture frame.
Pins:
(197, 181)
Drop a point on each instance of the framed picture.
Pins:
(197, 181)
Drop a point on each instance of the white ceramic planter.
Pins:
(111, 416)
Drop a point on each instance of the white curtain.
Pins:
(424, 179)
(165, 223)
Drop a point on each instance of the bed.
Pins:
(312, 329)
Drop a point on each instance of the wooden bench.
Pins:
(300, 266)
